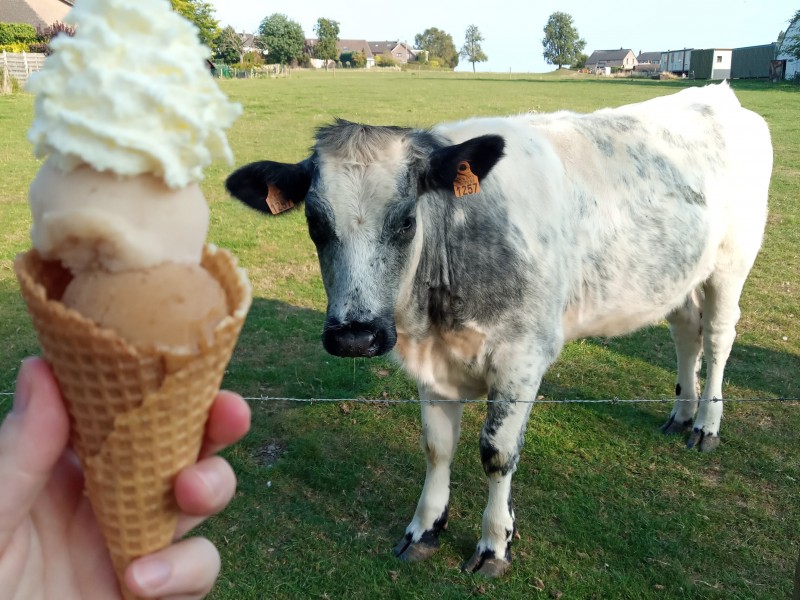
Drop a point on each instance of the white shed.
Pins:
(791, 36)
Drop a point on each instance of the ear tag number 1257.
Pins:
(466, 182)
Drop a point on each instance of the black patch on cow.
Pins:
(320, 219)
(677, 389)
(473, 264)
(250, 183)
(431, 536)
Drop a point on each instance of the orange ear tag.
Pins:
(466, 182)
(276, 202)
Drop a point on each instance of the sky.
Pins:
(513, 29)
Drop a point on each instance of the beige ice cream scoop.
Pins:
(173, 305)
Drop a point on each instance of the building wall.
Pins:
(753, 61)
(39, 13)
(792, 64)
(711, 64)
(676, 61)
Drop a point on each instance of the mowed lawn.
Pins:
(606, 506)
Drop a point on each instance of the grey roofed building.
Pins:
(355, 46)
(399, 51)
(38, 13)
(622, 58)
(649, 58)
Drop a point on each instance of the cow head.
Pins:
(362, 187)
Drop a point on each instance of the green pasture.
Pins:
(606, 506)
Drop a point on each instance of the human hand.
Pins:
(50, 542)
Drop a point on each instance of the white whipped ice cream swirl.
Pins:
(130, 93)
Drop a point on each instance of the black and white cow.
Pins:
(584, 225)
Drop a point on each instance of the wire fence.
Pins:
(766, 399)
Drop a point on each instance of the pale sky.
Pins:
(513, 29)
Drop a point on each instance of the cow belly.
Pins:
(634, 307)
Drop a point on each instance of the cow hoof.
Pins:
(673, 427)
(702, 441)
(415, 551)
(486, 564)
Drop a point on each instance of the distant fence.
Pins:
(19, 66)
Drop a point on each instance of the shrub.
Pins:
(17, 32)
(383, 60)
(15, 47)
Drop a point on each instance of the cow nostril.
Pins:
(356, 340)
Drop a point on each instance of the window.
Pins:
(719, 58)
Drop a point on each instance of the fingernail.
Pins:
(151, 573)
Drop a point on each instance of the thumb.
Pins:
(32, 438)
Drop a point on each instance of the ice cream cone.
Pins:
(138, 414)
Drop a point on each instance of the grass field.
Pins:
(606, 506)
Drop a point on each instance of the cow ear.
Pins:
(480, 153)
(271, 187)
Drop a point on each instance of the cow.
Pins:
(474, 250)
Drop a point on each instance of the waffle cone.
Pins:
(138, 414)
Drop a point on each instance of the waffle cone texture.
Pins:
(138, 414)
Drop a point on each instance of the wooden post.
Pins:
(5, 84)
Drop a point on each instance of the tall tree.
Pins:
(231, 46)
(439, 44)
(200, 13)
(471, 50)
(282, 38)
(327, 32)
(561, 42)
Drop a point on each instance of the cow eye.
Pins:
(408, 225)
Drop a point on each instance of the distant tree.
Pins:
(358, 60)
(439, 45)
(471, 50)
(200, 13)
(580, 61)
(327, 32)
(561, 42)
(231, 46)
(282, 38)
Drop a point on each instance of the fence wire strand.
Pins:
(765, 399)
(487, 401)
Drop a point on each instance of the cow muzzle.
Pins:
(356, 338)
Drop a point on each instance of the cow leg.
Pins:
(720, 315)
(441, 426)
(501, 441)
(685, 325)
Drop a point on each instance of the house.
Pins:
(400, 52)
(648, 62)
(39, 13)
(711, 63)
(342, 46)
(620, 59)
(676, 61)
(249, 43)
(649, 58)
(357, 46)
(791, 64)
